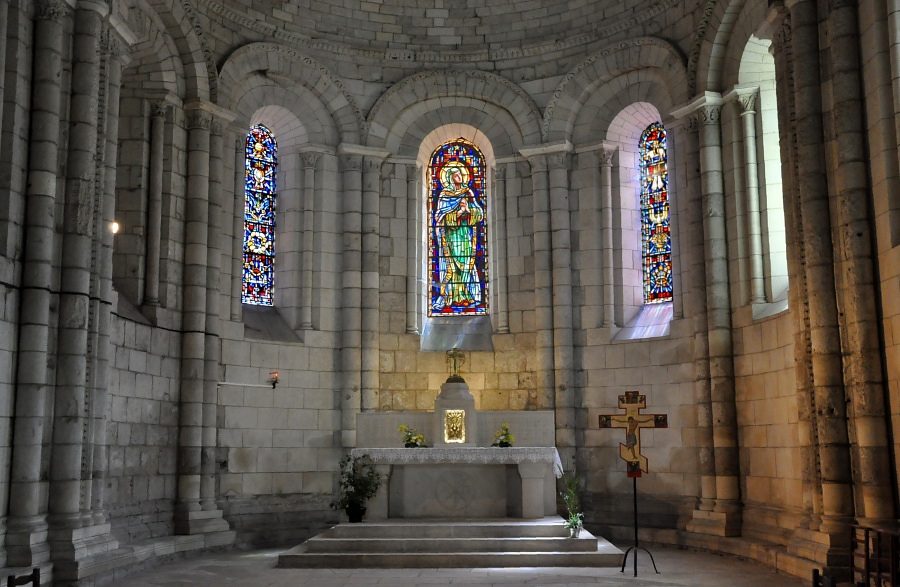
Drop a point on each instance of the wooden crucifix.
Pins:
(632, 421)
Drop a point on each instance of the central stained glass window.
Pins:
(260, 165)
(457, 231)
(656, 241)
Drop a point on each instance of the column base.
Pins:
(830, 549)
(75, 544)
(715, 523)
(203, 522)
(26, 542)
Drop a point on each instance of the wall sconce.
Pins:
(273, 378)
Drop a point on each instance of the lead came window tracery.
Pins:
(656, 241)
(457, 231)
(260, 167)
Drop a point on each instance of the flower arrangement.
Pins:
(412, 438)
(503, 438)
(569, 493)
(359, 482)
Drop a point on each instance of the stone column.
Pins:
(237, 242)
(797, 286)
(854, 252)
(825, 342)
(212, 340)
(543, 285)
(563, 347)
(351, 295)
(678, 238)
(606, 231)
(727, 521)
(154, 202)
(310, 161)
(371, 315)
(72, 406)
(498, 277)
(413, 248)
(4, 19)
(686, 144)
(26, 536)
(747, 100)
(893, 10)
(193, 320)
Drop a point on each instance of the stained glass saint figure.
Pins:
(458, 230)
(656, 242)
(260, 166)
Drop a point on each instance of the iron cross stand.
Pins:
(632, 421)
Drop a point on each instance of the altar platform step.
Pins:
(452, 544)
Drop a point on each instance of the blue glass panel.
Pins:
(260, 166)
(457, 231)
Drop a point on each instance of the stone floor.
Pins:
(257, 569)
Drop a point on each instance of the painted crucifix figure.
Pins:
(632, 421)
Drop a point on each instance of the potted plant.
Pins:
(574, 518)
(359, 483)
(412, 438)
(503, 438)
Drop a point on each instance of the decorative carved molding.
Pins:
(748, 102)
(212, 72)
(694, 57)
(158, 109)
(708, 114)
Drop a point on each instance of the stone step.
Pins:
(296, 558)
(550, 527)
(324, 544)
(452, 544)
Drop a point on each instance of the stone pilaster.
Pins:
(351, 295)
(725, 519)
(825, 343)
(158, 111)
(310, 161)
(854, 252)
(371, 315)
(237, 241)
(561, 271)
(26, 536)
(605, 157)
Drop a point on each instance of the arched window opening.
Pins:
(260, 167)
(457, 231)
(656, 241)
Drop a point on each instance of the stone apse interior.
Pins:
(697, 200)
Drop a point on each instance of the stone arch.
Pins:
(289, 68)
(595, 119)
(155, 63)
(471, 94)
(297, 110)
(626, 57)
(186, 32)
(726, 28)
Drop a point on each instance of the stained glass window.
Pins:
(656, 242)
(260, 167)
(457, 231)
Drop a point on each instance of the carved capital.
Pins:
(708, 114)
(605, 157)
(350, 162)
(748, 102)
(538, 163)
(372, 163)
(500, 172)
(158, 109)
(559, 160)
(51, 10)
(198, 119)
(310, 159)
